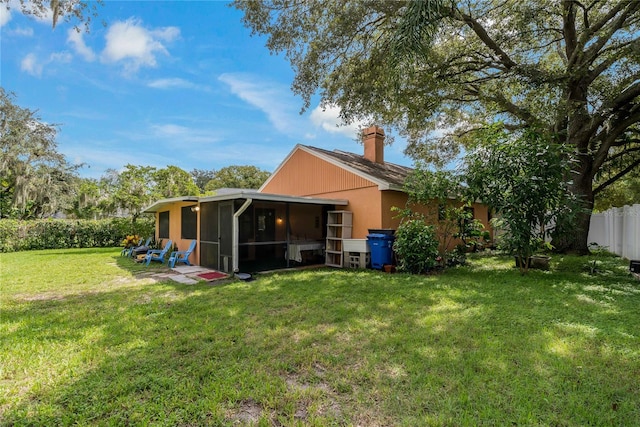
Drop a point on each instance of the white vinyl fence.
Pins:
(618, 229)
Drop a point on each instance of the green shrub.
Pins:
(416, 245)
(18, 235)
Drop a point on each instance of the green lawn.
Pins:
(89, 339)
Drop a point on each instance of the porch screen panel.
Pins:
(209, 255)
(209, 222)
(226, 236)
(209, 251)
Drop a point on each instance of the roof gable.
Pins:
(306, 173)
(388, 176)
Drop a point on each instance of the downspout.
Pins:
(234, 233)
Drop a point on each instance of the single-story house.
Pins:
(253, 230)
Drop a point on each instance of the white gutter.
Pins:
(234, 233)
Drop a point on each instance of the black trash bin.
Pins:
(381, 246)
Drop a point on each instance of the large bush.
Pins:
(416, 245)
(17, 235)
(523, 178)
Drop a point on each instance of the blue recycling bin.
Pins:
(381, 246)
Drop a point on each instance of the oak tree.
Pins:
(35, 179)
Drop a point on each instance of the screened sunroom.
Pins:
(248, 231)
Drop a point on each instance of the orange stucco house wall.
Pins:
(175, 229)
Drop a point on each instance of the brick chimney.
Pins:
(373, 138)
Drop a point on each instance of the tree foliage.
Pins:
(174, 182)
(439, 191)
(92, 198)
(201, 177)
(237, 177)
(619, 183)
(34, 177)
(567, 68)
(78, 12)
(625, 191)
(134, 189)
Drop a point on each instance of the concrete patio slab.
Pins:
(183, 279)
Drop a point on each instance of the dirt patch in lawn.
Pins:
(247, 412)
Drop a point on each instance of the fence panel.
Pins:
(618, 229)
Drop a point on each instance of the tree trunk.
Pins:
(572, 229)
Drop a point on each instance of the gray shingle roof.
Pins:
(390, 173)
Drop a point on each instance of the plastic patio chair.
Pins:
(157, 254)
(181, 256)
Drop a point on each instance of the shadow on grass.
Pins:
(131, 266)
(78, 251)
(325, 347)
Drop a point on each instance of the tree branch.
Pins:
(597, 26)
(616, 177)
(592, 52)
(608, 137)
(521, 113)
(487, 40)
(569, 30)
(621, 153)
(625, 49)
(609, 110)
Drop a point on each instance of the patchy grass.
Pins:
(89, 339)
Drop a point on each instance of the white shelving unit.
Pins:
(339, 225)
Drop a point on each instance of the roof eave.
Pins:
(392, 187)
(267, 197)
(156, 206)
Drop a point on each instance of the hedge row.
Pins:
(16, 235)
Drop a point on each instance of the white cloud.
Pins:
(182, 134)
(64, 57)
(170, 130)
(135, 46)
(31, 65)
(172, 83)
(34, 66)
(5, 15)
(76, 39)
(22, 32)
(329, 119)
(267, 97)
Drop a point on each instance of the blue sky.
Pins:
(164, 83)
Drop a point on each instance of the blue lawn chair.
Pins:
(157, 254)
(181, 256)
